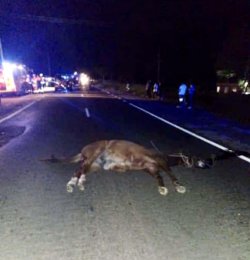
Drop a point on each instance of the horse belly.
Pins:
(116, 166)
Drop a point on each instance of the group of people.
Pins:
(186, 95)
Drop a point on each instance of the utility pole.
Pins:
(159, 65)
(49, 63)
(1, 65)
(1, 53)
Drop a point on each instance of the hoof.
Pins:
(70, 188)
(180, 189)
(70, 185)
(163, 191)
(81, 187)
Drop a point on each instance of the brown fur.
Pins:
(119, 156)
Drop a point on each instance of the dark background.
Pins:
(126, 40)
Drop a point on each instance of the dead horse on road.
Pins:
(123, 156)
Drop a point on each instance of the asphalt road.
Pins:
(118, 216)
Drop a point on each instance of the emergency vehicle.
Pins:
(14, 79)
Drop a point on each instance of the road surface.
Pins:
(118, 216)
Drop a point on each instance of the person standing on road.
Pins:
(161, 92)
(191, 92)
(182, 95)
(149, 89)
(155, 90)
(128, 87)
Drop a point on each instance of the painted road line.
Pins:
(17, 112)
(87, 112)
(189, 132)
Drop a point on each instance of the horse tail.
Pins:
(74, 159)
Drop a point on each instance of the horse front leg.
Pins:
(162, 189)
(178, 187)
(154, 172)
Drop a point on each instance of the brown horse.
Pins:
(123, 156)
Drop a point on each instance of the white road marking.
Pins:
(87, 112)
(17, 112)
(189, 132)
(247, 159)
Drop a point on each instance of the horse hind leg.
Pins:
(71, 184)
(81, 182)
(78, 179)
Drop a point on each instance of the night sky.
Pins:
(126, 40)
